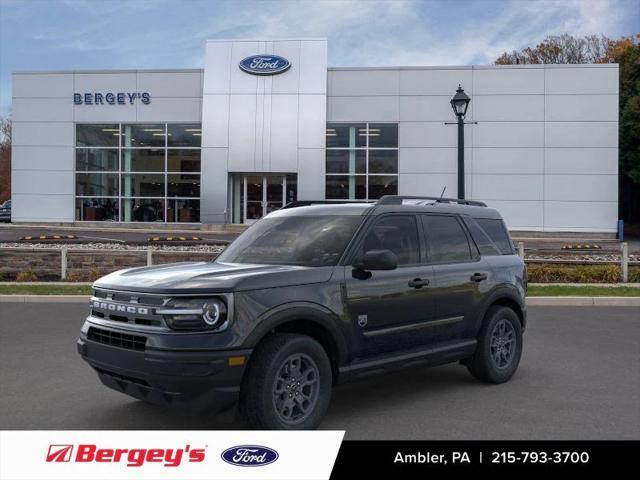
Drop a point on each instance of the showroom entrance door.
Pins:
(262, 194)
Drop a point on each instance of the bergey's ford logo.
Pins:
(249, 456)
(265, 64)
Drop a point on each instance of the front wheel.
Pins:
(499, 346)
(287, 385)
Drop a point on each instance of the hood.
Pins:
(203, 277)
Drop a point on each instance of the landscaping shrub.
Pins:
(27, 276)
(634, 274)
(558, 273)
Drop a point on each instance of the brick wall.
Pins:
(84, 265)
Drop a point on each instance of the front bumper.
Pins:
(200, 380)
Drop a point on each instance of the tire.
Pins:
(497, 362)
(272, 398)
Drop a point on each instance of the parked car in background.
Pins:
(5, 211)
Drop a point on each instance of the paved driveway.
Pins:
(578, 379)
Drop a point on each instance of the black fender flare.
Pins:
(306, 311)
(501, 292)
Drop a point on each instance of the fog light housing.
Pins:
(195, 314)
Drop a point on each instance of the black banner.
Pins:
(412, 459)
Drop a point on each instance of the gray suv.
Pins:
(310, 296)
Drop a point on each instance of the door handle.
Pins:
(478, 277)
(418, 282)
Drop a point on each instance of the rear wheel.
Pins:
(287, 385)
(499, 346)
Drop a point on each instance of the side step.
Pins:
(438, 354)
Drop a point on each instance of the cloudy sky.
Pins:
(85, 34)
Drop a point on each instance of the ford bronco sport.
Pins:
(310, 296)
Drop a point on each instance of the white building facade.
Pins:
(267, 122)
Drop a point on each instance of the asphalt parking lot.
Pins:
(578, 379)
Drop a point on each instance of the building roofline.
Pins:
(226, 40)
(480, 67)
(97, 71)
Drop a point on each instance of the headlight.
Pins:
(195, 314)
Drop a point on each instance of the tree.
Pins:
(5, 159)
(600, 49)
(560, 49)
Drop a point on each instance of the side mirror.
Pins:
(377, 260)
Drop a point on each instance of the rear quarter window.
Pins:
(497, 232)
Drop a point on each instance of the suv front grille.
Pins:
(128, 308)
(117, 339)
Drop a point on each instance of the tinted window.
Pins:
(312, 241)
(446, 239)
(497, 232)
(482, 240)
(396, 233)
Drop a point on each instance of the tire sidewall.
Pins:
(495, 374)
(308, 346)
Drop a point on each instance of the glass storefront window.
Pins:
(383, 135)
(340, 187)
(183, 185)
(356, 156)
(143, 135)
(346, 161)
(98, 135)
(143, 185)
(97, 209)
(97, 159)
(142, 210)
(183, 161)
(184, 135)
(181, 210)
(96, 185)
(346, 136)
(143, 160)
(380, 185)
(383, 161)
(139, 166)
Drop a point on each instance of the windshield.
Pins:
(311, 241)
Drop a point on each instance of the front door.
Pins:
(263, 194)
(391, 310)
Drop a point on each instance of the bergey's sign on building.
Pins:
(265, 64)
(110, 98)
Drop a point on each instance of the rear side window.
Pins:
(398, 233)
(447, 242)
(497, 232)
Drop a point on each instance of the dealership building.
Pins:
(268, 122)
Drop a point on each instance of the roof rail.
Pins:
(397, 200)
(306, 203)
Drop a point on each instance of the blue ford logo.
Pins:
(249, 455)
(265, 64)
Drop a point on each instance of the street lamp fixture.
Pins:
(459, 104)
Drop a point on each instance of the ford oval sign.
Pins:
(249, 456)
(265, 64)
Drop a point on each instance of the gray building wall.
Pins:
(255, 123)
(544, 151)
(44, 115)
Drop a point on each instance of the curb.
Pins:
(44, 299)
(584, 301)
(531, 301)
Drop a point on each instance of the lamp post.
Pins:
(460, 103)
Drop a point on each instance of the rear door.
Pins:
(389, 309)
(461, 276)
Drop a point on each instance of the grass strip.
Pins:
(582, 291)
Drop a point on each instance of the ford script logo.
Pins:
(249, 456)
(265, 64)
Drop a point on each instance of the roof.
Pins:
(356, 208)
